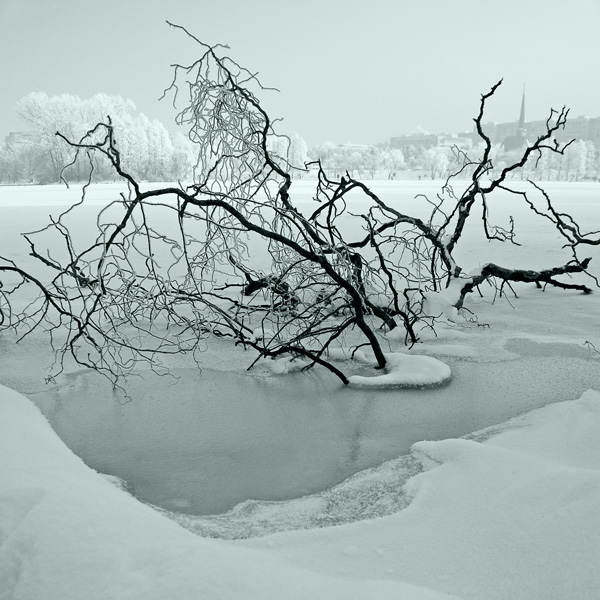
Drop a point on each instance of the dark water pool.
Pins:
(210, 440)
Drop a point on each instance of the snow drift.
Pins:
(515, 516)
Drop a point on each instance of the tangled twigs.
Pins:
(232, 255)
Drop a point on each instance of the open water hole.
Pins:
(215, 438)
(209, 440)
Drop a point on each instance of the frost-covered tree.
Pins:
(297, 154)
(367, 160)
(160, 149)
(591, 167)
(45, 115)
(172, 266)
(434, 161)
(578, 151)
(325, 154)
(372, 161)
(412, 157)
(183, 158)
(145, 145)
(393, 161)
(11, 165)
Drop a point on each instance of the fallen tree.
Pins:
(231, 255)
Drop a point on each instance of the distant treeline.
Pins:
(580, 162)
(149, 152)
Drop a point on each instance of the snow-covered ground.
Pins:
(512, 511)
(515, 516)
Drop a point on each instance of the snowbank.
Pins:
(515, 516)
(67, 533)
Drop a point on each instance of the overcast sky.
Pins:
(347, 70)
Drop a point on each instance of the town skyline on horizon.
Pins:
(358, 72)
(503, 127)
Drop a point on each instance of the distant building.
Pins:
(456, 140)
(419, 141)
(16, 138)
(518, 139)
(514, 135)
(358, 147)
(582, 128)
(424, 141)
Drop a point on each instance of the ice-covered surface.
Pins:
(204, 442)
(515, 516)
(369, 494)
(66, 533)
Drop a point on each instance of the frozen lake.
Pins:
(207, 441)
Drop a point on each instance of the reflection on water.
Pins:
(210, 440)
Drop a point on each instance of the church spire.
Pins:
(519, 139)
(522, 117)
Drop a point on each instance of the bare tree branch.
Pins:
(231, 255)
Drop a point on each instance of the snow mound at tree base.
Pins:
(406, 371)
